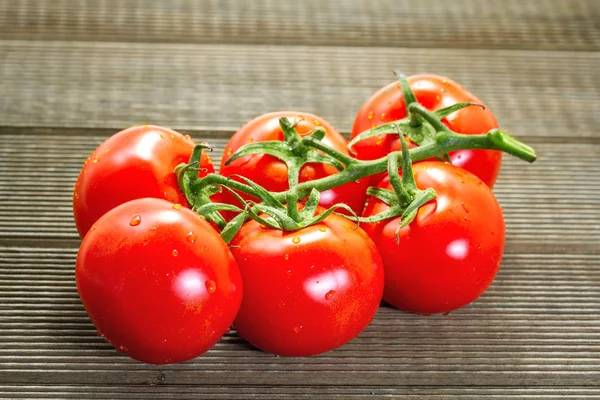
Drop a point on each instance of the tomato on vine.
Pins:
(451, 251)
(134, 163)
(306, 291)
(273, 173)
(434, 92)
(157, 281)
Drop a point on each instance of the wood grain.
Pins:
(215, 87)
(508, 24)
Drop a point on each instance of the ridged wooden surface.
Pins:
(74, 72)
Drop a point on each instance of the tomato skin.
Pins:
(271, 173)
(449, 255)
(433, 92)
(162, 291)
(309, 291)
(134, 163)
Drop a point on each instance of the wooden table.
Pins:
(74, 72)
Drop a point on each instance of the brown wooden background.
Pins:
(73, 72)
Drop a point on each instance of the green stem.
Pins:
(317, 144)
(445, 141)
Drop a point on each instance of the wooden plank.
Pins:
(539, 324)
(509, 24)
(215, 87)
(539, 200)
(160, 392)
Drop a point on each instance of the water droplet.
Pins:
(445, 81)
(379, 141)
(107, 150)
(153, 228)
(466, 219)
(96, 160)
(425, 168)
(250, 139)
(296, 239)
(87, 160)
(176, 206)
(329, 294)
(442, 90)
(437, 97)
(209, 160)
(229, 151)
(373, 126)
(205, 247)
(135, 220)
(286, 257)
(479, 247)
(191, 237)
(322, 229)
(172, 136)
(461, 180)
(187, 137)
(162, 136)
(382, 116)
(297, 328)
(123, 349)
(211, 286)
(370, 115)
(145, 126)
(317, 122)
(459, 156)
(464, 206)
(76, 196)
(94, 227)
(175, 253)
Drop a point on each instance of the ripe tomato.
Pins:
(449, 255)
(433, 92)
(157, 281)
(308, 291)
(134, 163)
(272, 174)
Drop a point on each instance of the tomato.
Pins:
(449, 255)
(157, 281)
(308, 291)
(433, 92)
(272, 174)
(134, 163)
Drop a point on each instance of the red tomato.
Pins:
(157, 281)
(309, 291)
(272, 174)
(433, 92)
(134, 163)
(449, 255)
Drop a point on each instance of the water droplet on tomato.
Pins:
(286, 257)
(379, 141)
(317, 122)
(466, 219)
(296, 239)
(191, 237)
(96, 160)
(297, 328)
(211, 286)
(250, 139)
(373, 126)
(175, 253)
(461, 180)
(76, 196)
(442, 90)
(382, 116)
(329, 294)
(153, 228)
(135, 220)
(209, 160)
(370, 115)
(107, 150)
(445, 81)
(322, 229)
(464, 206)
(172, 136)
(123, 349)
(162, 136)
(177, 206)
(229, 151)
(479, 247)
(187, 137)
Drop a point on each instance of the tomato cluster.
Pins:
(162, 286)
